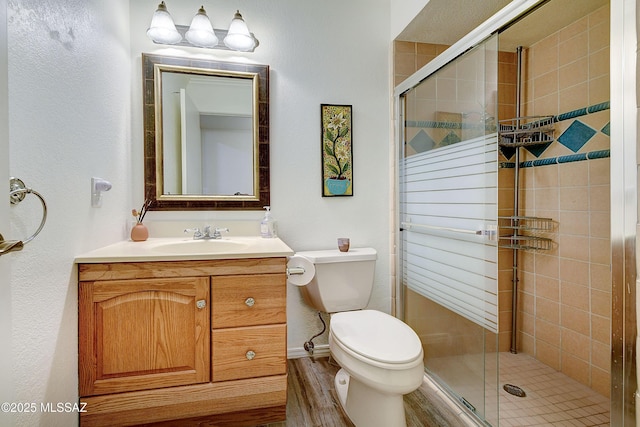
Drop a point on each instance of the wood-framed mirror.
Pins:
(206, 134)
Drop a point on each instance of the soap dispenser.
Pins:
(268, 224)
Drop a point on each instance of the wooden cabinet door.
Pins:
(143, 334)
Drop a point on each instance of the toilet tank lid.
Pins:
(334, 255)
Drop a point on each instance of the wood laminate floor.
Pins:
(313, 402)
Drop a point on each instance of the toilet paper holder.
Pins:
(291, 271)
(300, 271)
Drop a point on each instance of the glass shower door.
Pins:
(448, 214)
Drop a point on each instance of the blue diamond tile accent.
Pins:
(422, 142)
(451, 138)
(537, 150)
(508, 152)
(606, 129)
(576, 136)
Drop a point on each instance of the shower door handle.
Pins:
(491, 231)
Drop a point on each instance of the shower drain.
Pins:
(514, 389)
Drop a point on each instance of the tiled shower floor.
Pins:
(552, 398)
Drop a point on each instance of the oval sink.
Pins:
(193, 247)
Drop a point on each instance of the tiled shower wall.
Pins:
(565, 294)
(409, 57)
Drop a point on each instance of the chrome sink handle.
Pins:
(197, 234)
(206, 234)
(217, 233)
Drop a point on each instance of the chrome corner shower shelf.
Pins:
(526, 223)
(529, 225)
(525, 131)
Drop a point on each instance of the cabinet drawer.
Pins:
(249, 352)
(247, 300)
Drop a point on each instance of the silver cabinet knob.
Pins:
(249, 302)
(201, 304)
(250, 354)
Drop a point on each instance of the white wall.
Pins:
(6, 387)
(318, 52)
(402, 13)
(69, 120)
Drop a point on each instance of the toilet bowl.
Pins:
(381, 360)
(381, 357)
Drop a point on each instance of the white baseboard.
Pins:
(321, 350)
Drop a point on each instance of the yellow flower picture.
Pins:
(337, 152)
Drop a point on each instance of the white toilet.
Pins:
(380, 356)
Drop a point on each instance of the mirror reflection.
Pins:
(209, 136)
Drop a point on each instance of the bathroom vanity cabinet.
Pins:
(196, 341)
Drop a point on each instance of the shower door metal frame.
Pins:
(624, 210)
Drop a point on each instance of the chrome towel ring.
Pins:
(18, 191)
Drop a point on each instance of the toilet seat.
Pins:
(374, 336)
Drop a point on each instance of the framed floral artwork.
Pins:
(337, 150)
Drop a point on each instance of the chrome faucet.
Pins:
(206, 234)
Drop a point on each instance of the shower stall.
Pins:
(504, 218)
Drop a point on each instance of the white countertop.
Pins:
(187, 249)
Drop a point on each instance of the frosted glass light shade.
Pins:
(200, 32)
(238, 37)
(162, 28)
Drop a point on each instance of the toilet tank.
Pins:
(343, 280)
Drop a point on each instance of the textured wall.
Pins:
(6, 390)
(69, 105)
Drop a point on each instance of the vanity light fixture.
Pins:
(162, 29)
(201, 33)
(238, 37)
